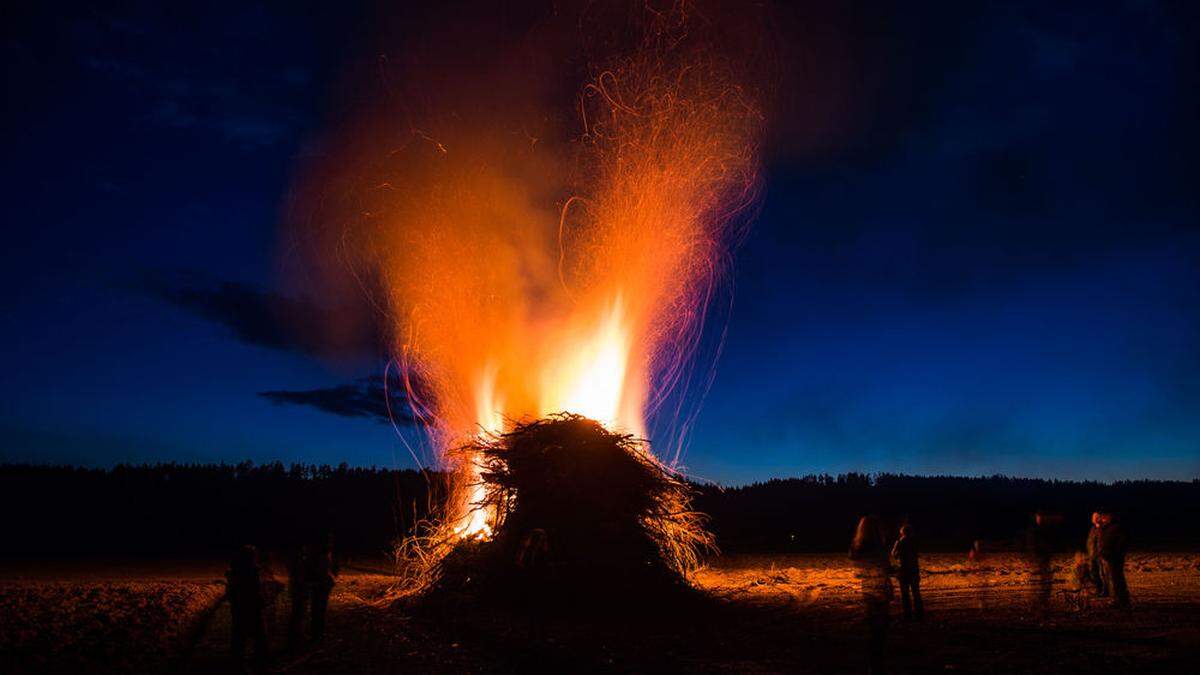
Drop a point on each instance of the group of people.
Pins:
(1101, 567)
(869, 551)
(251, 589)
(312, 570)
(1104, 563)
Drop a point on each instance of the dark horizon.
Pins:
(870, 476)
(978, 252)
(208, 509)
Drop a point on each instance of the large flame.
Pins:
(527, 276)
(581, 367)
(586, 374)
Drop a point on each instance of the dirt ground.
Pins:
(755, 614)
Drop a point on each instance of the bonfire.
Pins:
(564, 283)
(603, 501)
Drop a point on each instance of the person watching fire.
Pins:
(869, 551)
(1113, 546)
(1093, 555)
(904, 551)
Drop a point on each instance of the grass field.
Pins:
(78, 624)
(757, 614)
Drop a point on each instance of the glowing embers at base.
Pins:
(476, 523)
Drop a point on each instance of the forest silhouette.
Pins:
(169, 509)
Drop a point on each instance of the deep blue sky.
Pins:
(979, 249)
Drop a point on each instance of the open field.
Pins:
(71, 616)
(758, 614)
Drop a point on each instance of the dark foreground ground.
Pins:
(756, 614)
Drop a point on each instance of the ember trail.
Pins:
(553, 290)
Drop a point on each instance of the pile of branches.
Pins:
(593, 501)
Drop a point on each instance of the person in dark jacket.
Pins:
(868, 550)
(904, 551)
(1113, 546)
(244, 590)
(1040, 548)
(321, 576)
(297, 593)
(535, 571)
(1093, 555)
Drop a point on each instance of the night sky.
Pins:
(978, 252)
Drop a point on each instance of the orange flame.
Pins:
(580, 367)
(528, 278)
(586, 374)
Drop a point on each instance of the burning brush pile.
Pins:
(589, 501)
(550, 258)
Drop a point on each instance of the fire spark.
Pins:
(567, 275)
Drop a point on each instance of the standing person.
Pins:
(979, 583)
(975, 555)
(1039, 547)
(869, 550)
(533, 556)
(244, 590)
(321, 577)
(298, 565)
(1113, 546)
(1093, 555)
(1081, 572)
(909, 574)
(535, 572)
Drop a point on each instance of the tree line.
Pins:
(818, 513)
(196, 508)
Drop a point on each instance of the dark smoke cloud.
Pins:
(273, 320)
(299, 325)
(367, 398)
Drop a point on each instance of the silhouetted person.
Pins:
(534, 567)
(533, 556)
(869, 550)
(298, 593)
(1093, 556)
(321, 576)
(975, 555)
(975, 561)
(909, 573)
(1113, 546)
(1039, 547)
(1081, 572)
(244, 590)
